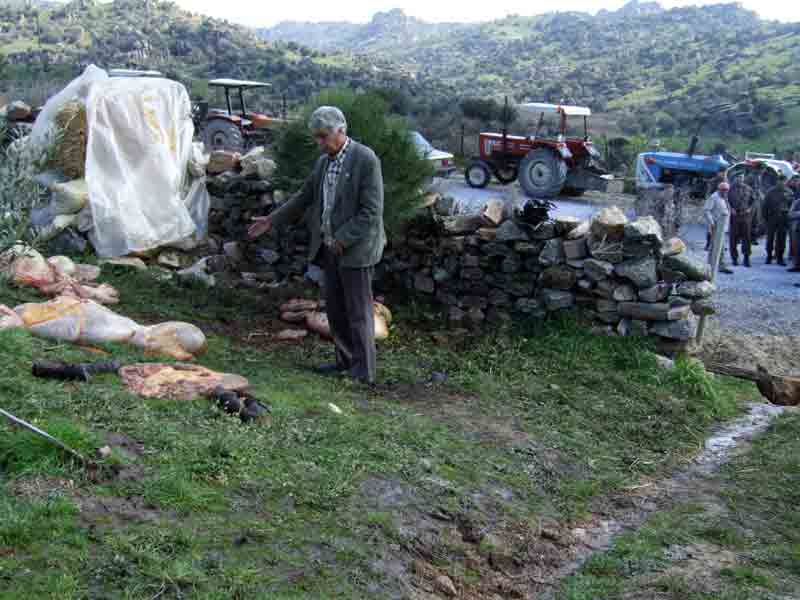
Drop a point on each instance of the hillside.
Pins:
(53, 43)
(390, 31)
(658, 69)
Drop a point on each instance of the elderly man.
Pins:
(717, 214)
(777, 203)
(712, 187)
(342, 201)
(741, 199)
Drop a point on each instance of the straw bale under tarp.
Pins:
(69, 154)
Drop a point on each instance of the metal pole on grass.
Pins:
(45, 435)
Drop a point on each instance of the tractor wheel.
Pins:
(477, 174)
(542, 174)
(507, 175)
(223, 135)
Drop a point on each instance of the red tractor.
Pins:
(233, 128)
(545, 167)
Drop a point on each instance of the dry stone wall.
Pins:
(622, 275)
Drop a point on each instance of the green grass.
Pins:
(544, 420)
(755, 522)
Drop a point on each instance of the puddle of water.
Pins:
(719, 448)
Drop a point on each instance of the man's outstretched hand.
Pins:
(260, 226)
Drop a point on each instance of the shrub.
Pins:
(20, 161)
(369, 122)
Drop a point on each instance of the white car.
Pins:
(764, 168)
(442, 162)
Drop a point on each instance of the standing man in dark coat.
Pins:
(342, 201)
(777, 203)
(741, 199)
(794, 226)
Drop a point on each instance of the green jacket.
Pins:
(357, 218)
(776, 206)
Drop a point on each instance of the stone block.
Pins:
(576, 249)
(597, 270)
(656, 293)
(653, 312)
(559, 277)
(640, 271)
(509, 231)
(557, 299)
(552, 253)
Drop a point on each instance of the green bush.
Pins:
(369, 122)
(19, 193)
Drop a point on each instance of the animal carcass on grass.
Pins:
(81, 321)
(177, 381)
(55, 276)
(317, 321)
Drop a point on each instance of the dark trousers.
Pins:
(348, 302)
(795, 247)
(740, 234)
(776, 240)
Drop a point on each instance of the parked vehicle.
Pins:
(237, 130)
(442, 161)
(545, 166)
(762, 170)
(689, 171)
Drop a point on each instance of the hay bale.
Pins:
(69, 155)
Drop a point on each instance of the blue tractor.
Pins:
(690, 172)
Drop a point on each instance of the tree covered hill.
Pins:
(653, 71)
(54, 42)
(657, 70)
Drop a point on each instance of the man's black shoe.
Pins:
(769, 261)
(793, 270)
(735, 262)
(364, 381)
(747, 261)
(781, 262)
(726, 270)
(330, 369)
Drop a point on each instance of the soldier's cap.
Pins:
(724, 186)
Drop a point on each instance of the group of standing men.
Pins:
(740, 207)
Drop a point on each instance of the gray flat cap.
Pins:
(327, 118)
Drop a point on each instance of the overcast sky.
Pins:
(261, 13)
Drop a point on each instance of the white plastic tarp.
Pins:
(78, 89)
(139, 142)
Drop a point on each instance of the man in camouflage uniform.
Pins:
(741, 199)
(777, 203)
(762, 181)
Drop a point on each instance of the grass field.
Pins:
(458, 475)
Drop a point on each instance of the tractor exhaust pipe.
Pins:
(692, 145)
